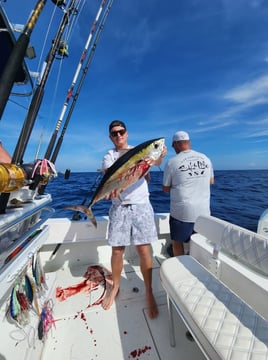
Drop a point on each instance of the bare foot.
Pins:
(152, 306)
(108, 300)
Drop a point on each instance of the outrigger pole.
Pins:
(16, 57)
(70, 91)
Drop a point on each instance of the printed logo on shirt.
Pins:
(194, 167)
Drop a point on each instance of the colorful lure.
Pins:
(45, 168)
(23, 297)
(19, 305)
(28, 288)
(14, 306)
(31, 293)
(46, 320)
(39, 274)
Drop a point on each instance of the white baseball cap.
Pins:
(180, 135)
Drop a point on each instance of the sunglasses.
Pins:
(118, 132)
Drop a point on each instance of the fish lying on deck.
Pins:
(129, 168)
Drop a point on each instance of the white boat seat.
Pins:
(244, 245)
(223, 325)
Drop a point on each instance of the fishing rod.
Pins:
(75, 97)
(53, 158)
(70, 91)
(39, 92)
(9, 74)
(19, 51)
(17, 55)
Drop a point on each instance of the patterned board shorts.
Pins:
(131, 225)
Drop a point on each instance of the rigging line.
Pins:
(59, 72)
(54, 97)
(39, 144)
(18, 104)
(24, 107)
(69, 93)
(13, 93)
(74, 20)
(75, 97)
(20, 95)
(44, 43)
(51, 107)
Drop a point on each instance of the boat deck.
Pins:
(84, 330)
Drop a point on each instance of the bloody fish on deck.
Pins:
(126, 170)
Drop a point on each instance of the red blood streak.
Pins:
(138, 352)
(94, 276)
(83, 317)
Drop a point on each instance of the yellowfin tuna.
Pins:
(124, 172)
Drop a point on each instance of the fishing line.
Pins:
(74, 20)
(39, 93)
(15, 335)
(56, 88)
(70, 93)
(27, 94)
(44, 43)
(69, 31)
(59, 72)
(39, 144)
(18, 104)
(22, 335)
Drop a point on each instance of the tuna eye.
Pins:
(156, 146)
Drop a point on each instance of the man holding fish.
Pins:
(131, 214)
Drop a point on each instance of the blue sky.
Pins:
(194, 65)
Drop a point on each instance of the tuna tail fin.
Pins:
(85, 210)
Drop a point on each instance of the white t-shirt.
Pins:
(188, 175)
(136, 193)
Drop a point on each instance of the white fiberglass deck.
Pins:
(122, 332)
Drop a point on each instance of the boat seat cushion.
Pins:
(223, 325)
(244, 245)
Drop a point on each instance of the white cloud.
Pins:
(259, 133)
(213, 127)
(254, 91)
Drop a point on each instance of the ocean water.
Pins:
(237, 196)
